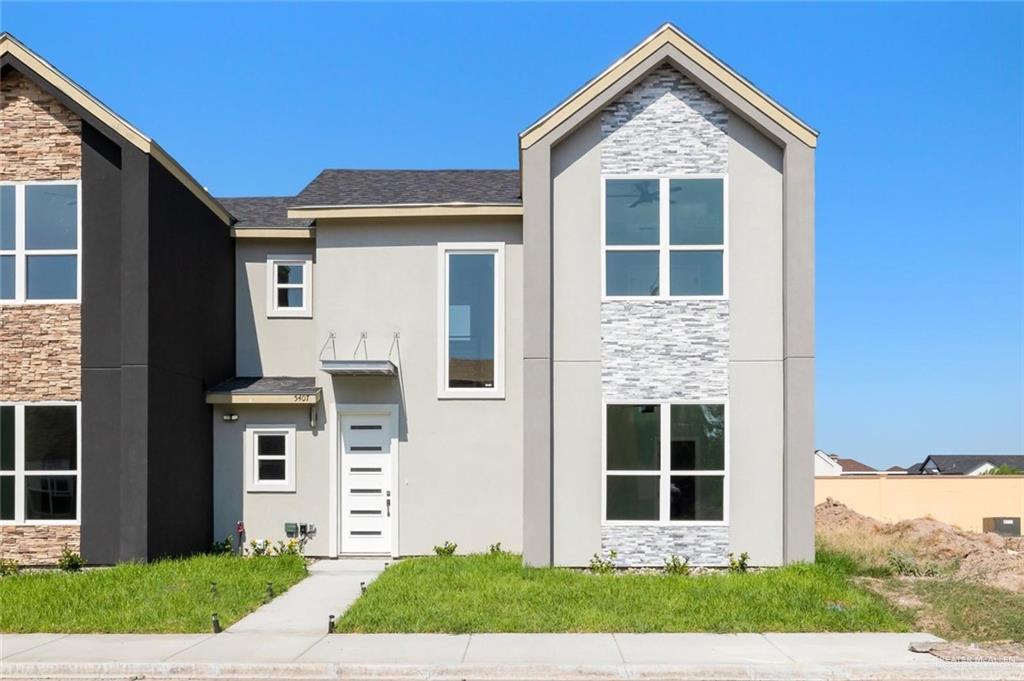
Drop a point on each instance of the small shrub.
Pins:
(906, 565)
(70, 561)
(219, 548)
(603, 566)
(259, 547)
(739, 564)
(495, 549)
(446, 549)
(677, 566)
(292, 547)
(9, 567)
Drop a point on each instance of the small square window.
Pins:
(288, 286)
(273, 458)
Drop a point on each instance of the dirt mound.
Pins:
(987, 557)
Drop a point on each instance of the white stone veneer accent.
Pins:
(665, 349)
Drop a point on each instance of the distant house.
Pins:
(896, 470)
(965, 464)
(826, 464)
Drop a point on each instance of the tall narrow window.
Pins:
(289, 288)
(39, 234)
(665, 463)
(664, 237)
(39, 463)
(472, 320)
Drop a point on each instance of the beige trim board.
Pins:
(294, 399)
(272, 233)
(411, 210)
(669, 35)
(10, 45)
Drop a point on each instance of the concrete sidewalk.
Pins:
(523, 657)
(332, 586)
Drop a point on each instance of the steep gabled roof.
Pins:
(670, 35)
(854, 466)
(12, 49)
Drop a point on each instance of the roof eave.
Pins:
(668, 34)
(400, 210)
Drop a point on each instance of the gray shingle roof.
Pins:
(263, 211)
(960, 464)
(267, 385)
(389, 187)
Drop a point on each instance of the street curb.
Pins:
(936, 671)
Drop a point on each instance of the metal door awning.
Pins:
(359, 367)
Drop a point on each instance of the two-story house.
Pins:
(608, 349)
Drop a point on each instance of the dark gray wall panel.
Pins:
(101, 465)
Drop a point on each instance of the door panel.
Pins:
(367, 502)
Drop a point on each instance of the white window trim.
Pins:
(665, 472)
(444, 249)
(252, 474)
(306, 311)
(20, 253)
(20, 473)
(664, 247)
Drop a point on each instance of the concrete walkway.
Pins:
(503, 657)
(331, 587)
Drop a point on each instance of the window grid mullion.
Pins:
(665, 427)
(20, 272)
(663, 238)
(19, 463)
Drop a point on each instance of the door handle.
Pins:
(389, 508)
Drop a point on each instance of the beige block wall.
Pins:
(958, 500)
(40, 345)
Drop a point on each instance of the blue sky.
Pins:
(920, 213)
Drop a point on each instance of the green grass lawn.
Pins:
(495, 593)
(161, 597)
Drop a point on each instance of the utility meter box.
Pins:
(1006, 527)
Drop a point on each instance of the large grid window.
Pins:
(39, 463)
(39, 241)
(289, 286)
(471, 319)
(665, 463)
(665, 237)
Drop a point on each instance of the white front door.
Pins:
(367, 498)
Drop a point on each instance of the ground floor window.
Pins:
(39, 462)
(273, 458)
(665, 462)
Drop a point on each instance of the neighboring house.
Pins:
(832, 464)
(610, 348)
(896, 470)
(116, 313)
(968, 464)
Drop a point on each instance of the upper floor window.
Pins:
(39, 463)
(40, 232)
(471, 318)
(665, 237)
(289, 286)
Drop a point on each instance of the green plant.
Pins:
(70, 561)
(293, 547)
(906, 565)
(259, 547)
(226, 546)
(1004, 469)
(739, 564)
(603, 566)
(677, 566)
(446, 549)
(8, 567)
(495, 549)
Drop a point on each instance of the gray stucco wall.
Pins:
(668, 349)
(269, 346)
(460, 460)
